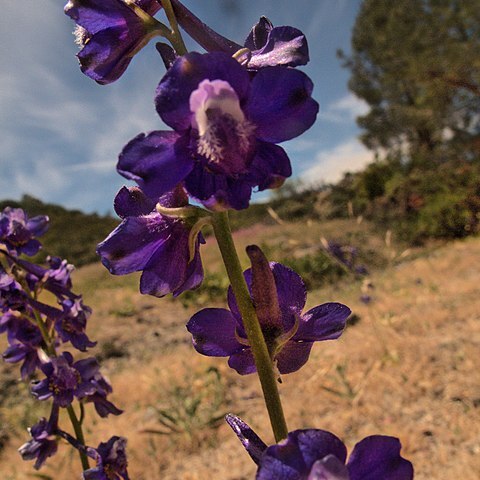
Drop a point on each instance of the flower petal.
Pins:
(174, 90)
(293, 356)
(324, 322)
(250, 440)
(243, 362)
(280, 104)
(166, 270)
(132, 202)
(131, 245)
(216, 191)
(329, 468)
(270, 166)
(285, 46)
(378, 458)
(292, 293)
(213, 331)
(157, 161)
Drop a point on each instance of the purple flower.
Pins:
(272, 46)
(16, 352)
(99, 397)
(66, 380)
(55, 279)
(44, 440)
(153, 243)
(226, 125)
(71, 325)
(279, 296)
(111, 461)
(319, 455)
(110, 33)
(18, 232)
(267, 45)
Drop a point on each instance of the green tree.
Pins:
(417, 64)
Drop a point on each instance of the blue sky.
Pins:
(61, 133)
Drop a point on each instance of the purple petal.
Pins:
(213, 331)
(292, 293)
(286, 46)
(96, 15)
(193, 275)
(280, 104)
(174, 90)
(378, 458)
(250, 440)
(329, 468)
(303, 448)
(270, 166)
(106, 55)
(38, 225)
(218, 192)
(293, 356)
(157, 161)
(132, 202)
(258, 36)
(243, 362)
(273, 469)
(131, 245)
(324, 322)
(168, 268)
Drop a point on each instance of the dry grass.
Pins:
(408, 368)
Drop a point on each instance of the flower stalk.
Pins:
(76, 424)
(175, 37)
(265, 368)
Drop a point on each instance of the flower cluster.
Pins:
(37, 331)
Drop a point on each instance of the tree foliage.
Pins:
(417, 64)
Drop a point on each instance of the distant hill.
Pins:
(72, 234)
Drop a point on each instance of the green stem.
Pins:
(77, 427)
(176, 37)
(263, 362)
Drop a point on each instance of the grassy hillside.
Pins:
(72, 234)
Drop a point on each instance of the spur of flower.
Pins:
(158, 245)
(314, 454)
(279, 296)
(226, 126)
(110, 33)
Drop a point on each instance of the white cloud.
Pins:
(344, 110)
(330, 165)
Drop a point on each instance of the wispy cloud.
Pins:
(330, 165)
(344, 110)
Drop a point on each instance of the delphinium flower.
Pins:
(314, 454)
(157, 244)
(270, 46)
(18, 232)
(110, 33)
(266, 45)
(44, 440)
(111, 461)
(66, 379)
(279, 296)
(226, 126)
(346, 255)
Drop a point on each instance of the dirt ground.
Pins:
(407, 366)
